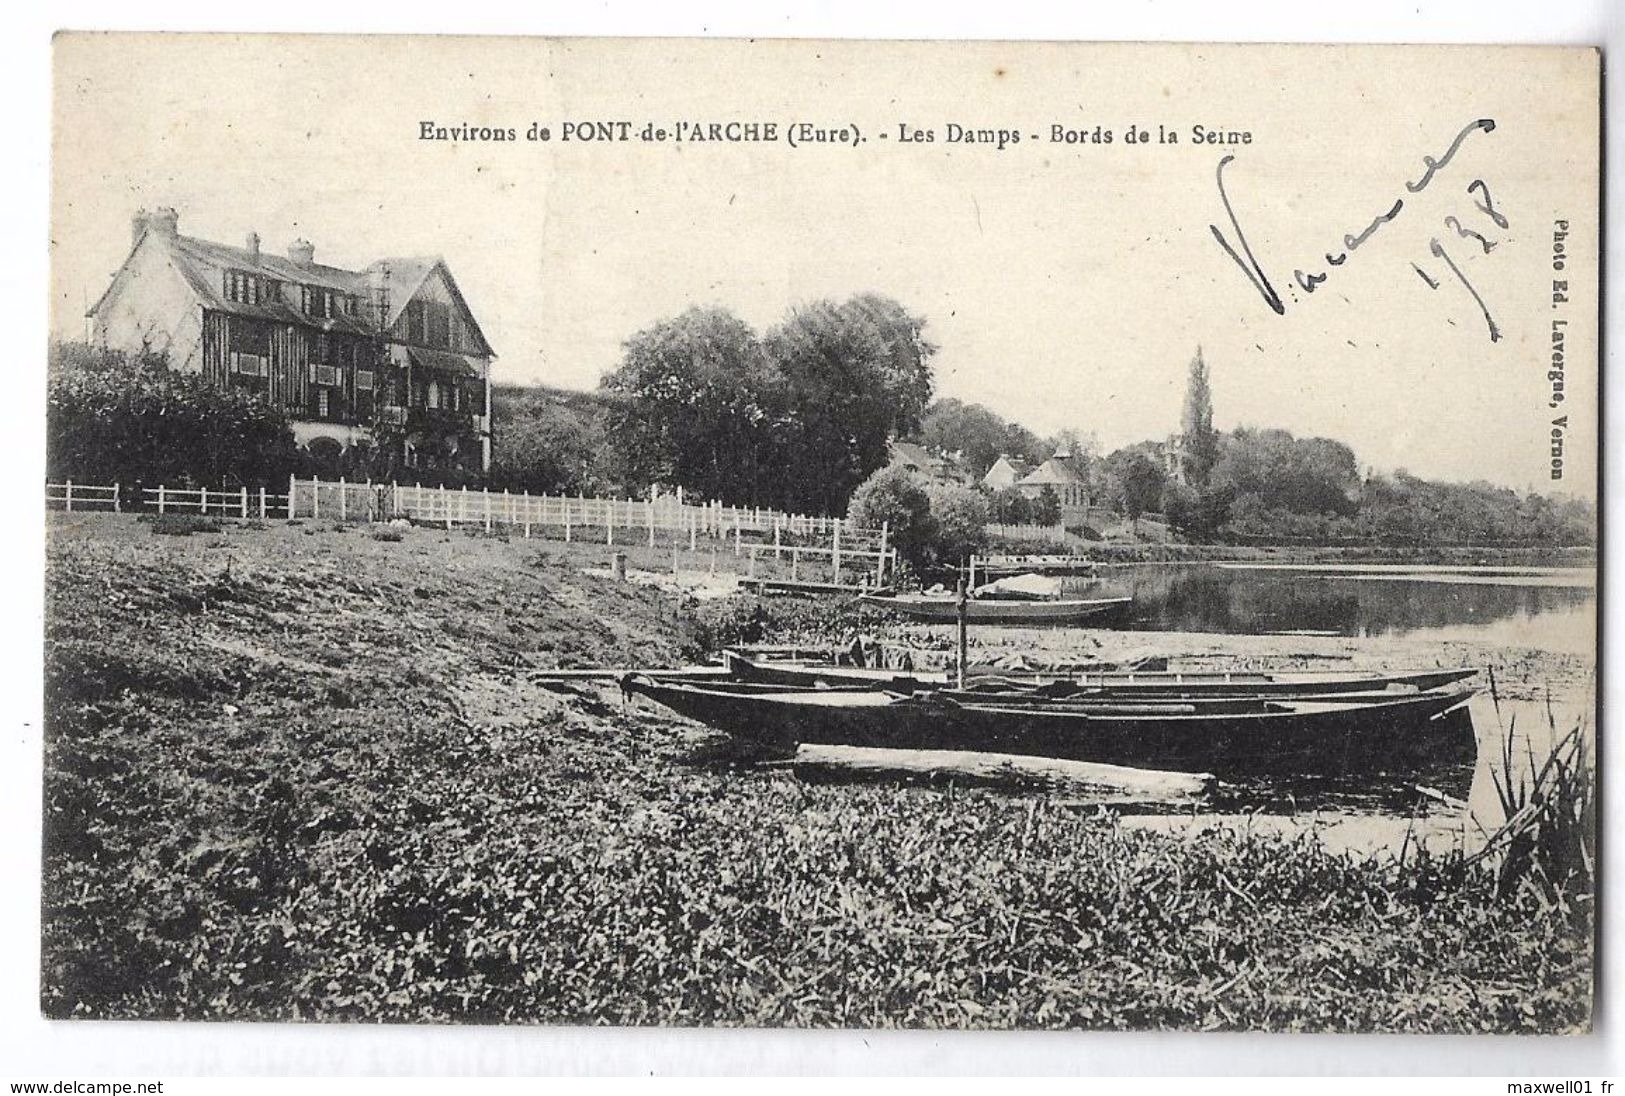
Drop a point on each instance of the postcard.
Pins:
(822, 534)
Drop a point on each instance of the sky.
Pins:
(1066, 285)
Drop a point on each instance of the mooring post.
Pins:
(961, 612)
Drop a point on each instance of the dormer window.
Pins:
(317, 302)
(241, 287)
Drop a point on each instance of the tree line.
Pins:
(799, 417)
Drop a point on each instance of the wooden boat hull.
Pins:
(994, 611)
(1140, 683)
(1297, 736)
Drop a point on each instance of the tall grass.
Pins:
(1547, 839)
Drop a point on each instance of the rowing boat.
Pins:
(742, 667)
(945, 610)
(1301, 736)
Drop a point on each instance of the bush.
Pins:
(895, 497)
(391, 536)
(184, 525)
(960, 516)
(112, 418)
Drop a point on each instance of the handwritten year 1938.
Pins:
(1485, 216)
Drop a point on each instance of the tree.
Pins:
(1197, 512)
(691, 405)
(1046, 508)
(854, 375)
(1134, 482)
(960, 516)
(1196, 424)
(896, 498)
(546, 440)
(1011, 507)
(977, 435)
(1306, 476)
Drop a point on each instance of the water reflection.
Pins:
(1201, 598)
(1533, 727)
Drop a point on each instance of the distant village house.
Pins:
(387, 356)
(1070, 485)
(914, 457)
(1005, 472)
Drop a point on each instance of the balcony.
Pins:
(436, 419)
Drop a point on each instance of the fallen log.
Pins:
(682, 673)
(1441, 797)
(998, 770)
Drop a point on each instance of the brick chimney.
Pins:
(302, 252)
(254, 246)
(163, 220)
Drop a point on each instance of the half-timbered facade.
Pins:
(389, 356)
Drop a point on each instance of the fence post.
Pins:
(610, 510)
(485, 493)
(245, 501)
(262, 502)
(836, 553)
(566, 501)
(880, 566)
(69, 496)
(160, 500)
(291, 481)
(118, 505)
(651, 509)
(693, 530)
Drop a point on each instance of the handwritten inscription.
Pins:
(1234, 242)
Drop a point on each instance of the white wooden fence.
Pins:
(816, 549)
(242, 502)
(72, 496)
(1032, 534)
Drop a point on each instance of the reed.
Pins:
(1547, 839)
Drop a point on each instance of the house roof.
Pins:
(442, 360)
(1057, 470)
(908, 452)
(201, 261)
(1016, 465)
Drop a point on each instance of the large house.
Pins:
(389, 356)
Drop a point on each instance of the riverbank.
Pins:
(1458, 555)
(302, 773)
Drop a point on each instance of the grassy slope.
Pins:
(296, 773)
